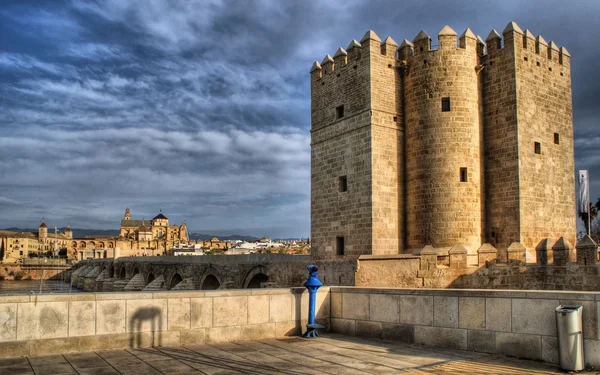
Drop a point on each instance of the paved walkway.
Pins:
(330, 354)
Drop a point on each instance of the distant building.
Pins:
(136, 238)
(18, 245)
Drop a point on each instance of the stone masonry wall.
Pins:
(70, 323)
(547, 187)
(513, 323)
(341, 146)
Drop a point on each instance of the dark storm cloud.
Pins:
(202, 108)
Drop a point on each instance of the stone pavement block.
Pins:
(258, 309)
(498, 314)
(444, 337)
(471, 312)
(534, 316)
(519, 345)
(178, 313)
(82, 318)
(355, 306)
(8, 322)
(230, 311)
(481, 341)
(110, 317)
(445, 311)
(384, 308)
(201, 312)
(416, 310)
(15, 366)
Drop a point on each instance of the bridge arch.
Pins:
(175, 279)
(150, 278)
(122, 273)
(210, 280)
(255, 277)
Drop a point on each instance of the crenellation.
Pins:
(565, 57)
(493, 42)
(468, 40)
(553, 52)
(405, 50)
(481, 46)
(541, 46)
(529, 42)
(389, 47)
(422, 43)
(340, 58)
(447, 38)
(327, 65)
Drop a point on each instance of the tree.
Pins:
(593, 213)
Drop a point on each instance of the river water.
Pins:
(8, 288)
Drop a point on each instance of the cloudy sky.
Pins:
(202, 108)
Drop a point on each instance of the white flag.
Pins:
(584, 192)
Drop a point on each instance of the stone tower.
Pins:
(43, 230)
(459, 144)
(69, 232)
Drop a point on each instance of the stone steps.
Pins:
(136, 283)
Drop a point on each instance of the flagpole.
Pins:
(589, 208)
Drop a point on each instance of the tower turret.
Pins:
(69, 232)
(443, 137)
(43, 230)
(127, 214)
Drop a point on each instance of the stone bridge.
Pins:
(206, 272)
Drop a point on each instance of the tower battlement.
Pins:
(418, 145)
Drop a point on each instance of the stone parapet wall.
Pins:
(513, 323)
(52, 324)
(558, 266)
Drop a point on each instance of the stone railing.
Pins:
(514, 323)
(67, 323)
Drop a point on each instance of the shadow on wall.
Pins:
(143, 318)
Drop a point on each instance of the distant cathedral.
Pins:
(150, 230)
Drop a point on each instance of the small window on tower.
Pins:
(537, 146)
(463, 175)
(556, 138)
(446, 104)
(339, 112)
(343, 183)
(339, 246)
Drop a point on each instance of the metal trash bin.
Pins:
(570, 337)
